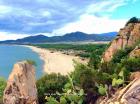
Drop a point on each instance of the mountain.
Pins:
(70, 37)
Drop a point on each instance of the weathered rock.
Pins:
(135, 52)
(21, 87)
(135, 75)
(127, 37)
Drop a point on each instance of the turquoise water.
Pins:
(10, 54)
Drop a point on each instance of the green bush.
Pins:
(31, 62)
(133, 20)
(83, 77)
(71, 95)
(131, 64)
(50, 84)
(102, 90)
(94, 60)
(123, 53)
(2, 87)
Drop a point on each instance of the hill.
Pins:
(70, 37)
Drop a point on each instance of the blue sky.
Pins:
(21, 18)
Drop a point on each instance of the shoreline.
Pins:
(56, 61)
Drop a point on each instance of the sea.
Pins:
(10, 54)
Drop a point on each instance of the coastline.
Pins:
(56, 61)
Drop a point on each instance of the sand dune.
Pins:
(56, 61)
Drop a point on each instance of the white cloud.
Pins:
(46, 14)
(91, 24)
(8, 36)
(43, 16)
(4, 9)
(105, 6)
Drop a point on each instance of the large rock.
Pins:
(136, 52)
(128, 95)
(127, 37)
(21, 87)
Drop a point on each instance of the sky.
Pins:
(21, 18)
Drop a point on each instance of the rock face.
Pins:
(129, 95)
(21, 88)
(127, 37)
(135, 52)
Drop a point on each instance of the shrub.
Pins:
(131, 64)
(83, 77)
(50, 84)
(31, 62)
(2, 87)
(102, 90)
(121, 54)
(71, 95)
(133, 20)
(94, 60)
(120, 80)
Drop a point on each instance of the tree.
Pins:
(133, 20)
(50, 84)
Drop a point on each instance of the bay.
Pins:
(10, 54)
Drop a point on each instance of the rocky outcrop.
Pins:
(21, 88)
(127, 37)
(136, 52)
(128, 95)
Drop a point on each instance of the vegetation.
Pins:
(99, 79)
(85, 49)
(49, 84)
(83, 78)
(131, 64)
(95, 79)
(31, 62)
(121, 54)
(2, 87)
(133, 20)
(71, 95)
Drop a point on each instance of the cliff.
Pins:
(128, 36)
(21, 88)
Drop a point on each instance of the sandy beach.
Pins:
(56, 61)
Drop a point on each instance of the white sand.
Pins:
(56, 62)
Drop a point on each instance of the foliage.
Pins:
(95, 59)
(50, 84)
(133, 20)
(2, 87)
(83, 77)
(86, 49)
(131, 64)
(102, 90)
(31, 62)
(121, 54)
(51, 100)
(94, 79)
(71, 95)
(118, 81)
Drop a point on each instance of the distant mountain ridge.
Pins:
(69, 37)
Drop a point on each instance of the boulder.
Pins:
(136, 52)
(21, 87)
